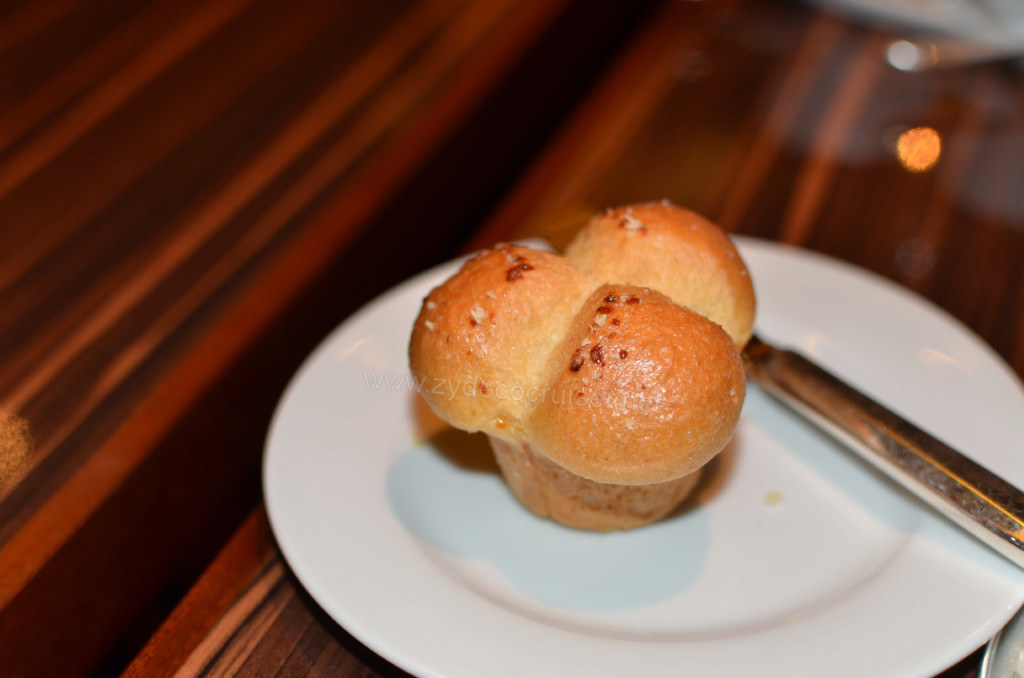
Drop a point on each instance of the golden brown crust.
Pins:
(482, 339)
(675, 251)
(641, 390)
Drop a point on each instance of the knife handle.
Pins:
(973, 497)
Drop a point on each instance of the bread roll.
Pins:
(605, 379)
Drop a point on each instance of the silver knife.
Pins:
(970, 495)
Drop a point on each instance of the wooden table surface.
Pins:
(193, 194)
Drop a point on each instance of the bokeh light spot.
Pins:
(918, 149)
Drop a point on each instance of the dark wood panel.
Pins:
(213, 223)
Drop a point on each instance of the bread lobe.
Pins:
(642, 390)
(674, 251)
(482, 338)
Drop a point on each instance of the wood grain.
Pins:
(223, 185)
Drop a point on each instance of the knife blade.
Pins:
(976, 499)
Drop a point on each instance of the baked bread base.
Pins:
(549, 490)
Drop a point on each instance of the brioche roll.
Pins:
(605, 379)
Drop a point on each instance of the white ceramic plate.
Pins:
(797, 561)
